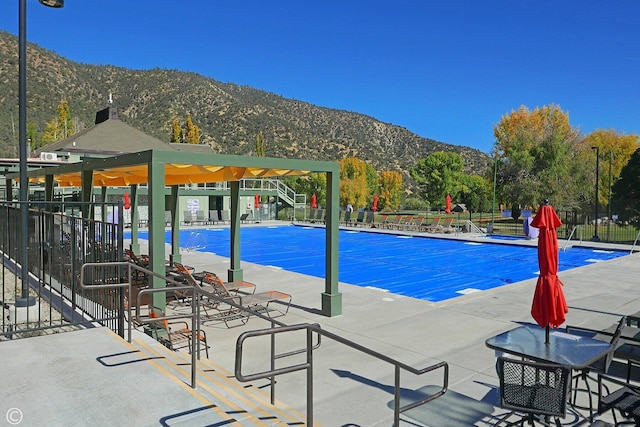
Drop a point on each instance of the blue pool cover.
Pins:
(431, 269)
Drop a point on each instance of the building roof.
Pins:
(111, 136)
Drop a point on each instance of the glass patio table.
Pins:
(528, 342)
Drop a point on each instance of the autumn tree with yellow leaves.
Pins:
(353, 182)
(390, 190)
(537, 154)
(189, 135)
(61, 127)
(615, 150)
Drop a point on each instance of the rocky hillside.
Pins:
(229, 116)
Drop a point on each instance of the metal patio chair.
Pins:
(600, 366)
(535, 390)
(625, 400)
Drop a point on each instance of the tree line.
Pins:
(536, 155)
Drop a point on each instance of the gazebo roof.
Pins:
(179, 168)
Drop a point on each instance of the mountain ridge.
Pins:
(229, 115)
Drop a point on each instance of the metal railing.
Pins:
(90, 271)
(634, 243)
(474, 228)
(196, 241)
(308, 366)
(60, 240)
(573, 231)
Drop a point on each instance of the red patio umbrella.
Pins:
(447, 206)
(256, 201)
(375, 203)
(127, 201)
(549, 305)
(313, 201)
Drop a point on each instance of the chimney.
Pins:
(109, 113)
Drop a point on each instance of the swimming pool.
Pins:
(427, 268)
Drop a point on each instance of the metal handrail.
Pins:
(196, 241)
(196, 295)
(475, 228)
(308, 366)
(564, 248)
(634, 243)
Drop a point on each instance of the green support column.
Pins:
(48, 188)
(235, 272)
(331, 297)
(135, 219)
(156, 230)
(9, 184)
(87, 193)
(103, 197)
(175, 255)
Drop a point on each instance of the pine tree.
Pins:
(261, 146)
(176, 131)
(192, 133)
(60, 127)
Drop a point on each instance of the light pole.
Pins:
(493, 202)
(595, 237)
(609, 197)
(22, 140)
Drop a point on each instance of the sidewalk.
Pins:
(352, 389)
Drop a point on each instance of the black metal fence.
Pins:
(576, 226)
(59, 241)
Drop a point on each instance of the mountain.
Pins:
(229, 116)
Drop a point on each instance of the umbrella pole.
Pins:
(546, 335)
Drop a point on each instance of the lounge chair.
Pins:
(433, 225)
(447, 226)
(406, 222)
(173, 335)
(369, 218)
(347, 218)
(225, 217)
(214, 216)
(141, 261)
(233, 291)
(209, 279)
(312, 215)
(443, 226)
(360, 218)
(395, 223)
(200, 218)
(416, 224)
(319, 216)
(187, 217)
(167, 218)
(243, 217)
(384, 222)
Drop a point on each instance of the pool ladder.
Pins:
(566, 245)
(196, 241)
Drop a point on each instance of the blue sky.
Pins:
(447, 70)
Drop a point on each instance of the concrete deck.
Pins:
(352, 389)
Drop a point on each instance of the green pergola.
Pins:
(159, 169)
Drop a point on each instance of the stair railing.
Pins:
(172, 285)
(308, 366)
